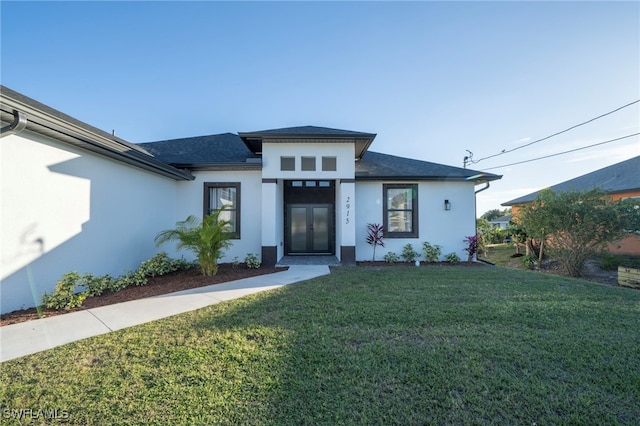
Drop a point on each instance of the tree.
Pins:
(573, 225)
(495, 213)
(518, 234)
(207, 239)
(629, 210)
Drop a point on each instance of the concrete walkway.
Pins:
(29, 337)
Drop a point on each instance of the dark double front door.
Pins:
(309, 229)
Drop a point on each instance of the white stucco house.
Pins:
(75, 198)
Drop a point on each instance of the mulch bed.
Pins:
(407, 264)
(176, 281)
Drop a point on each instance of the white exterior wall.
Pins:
(436, 225)
(345, 216)
(345, 169)
(64, 209)
(344, 153)
(190, 201)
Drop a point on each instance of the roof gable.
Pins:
(619, 177)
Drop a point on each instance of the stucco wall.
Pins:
(64, 209)
(344, 153)
(190, 201)
(436, 225)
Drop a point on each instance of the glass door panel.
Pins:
(299, 229)
(320, 229)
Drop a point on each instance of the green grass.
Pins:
(393, 345)
(500, 254)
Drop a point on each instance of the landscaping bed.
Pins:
(175, 281)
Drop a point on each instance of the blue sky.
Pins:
(432, 79)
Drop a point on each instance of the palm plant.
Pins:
(207, 239)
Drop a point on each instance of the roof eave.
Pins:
(219, 166)
(361, 141)
(55, 125)
(429, 178)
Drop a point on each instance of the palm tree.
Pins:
(207, 239)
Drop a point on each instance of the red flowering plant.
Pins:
(472, 246)
(375, 235)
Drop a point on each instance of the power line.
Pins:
(504, 151)
(564, 152)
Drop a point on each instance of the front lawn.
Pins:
(387, 345)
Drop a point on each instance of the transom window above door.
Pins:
(310, 183)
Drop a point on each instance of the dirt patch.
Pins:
(591, 272)
(176, 281)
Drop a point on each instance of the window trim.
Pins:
(325, 163)
(207, 202)
(414, 210)
(287, 157)
(310, 161)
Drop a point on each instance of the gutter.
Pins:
(19, 124)
(485, 188)
(51, 123)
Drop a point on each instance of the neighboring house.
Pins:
(620, 181)
(501, 222)
(77, 198)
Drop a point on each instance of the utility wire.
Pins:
(555, 134)
(564, 152)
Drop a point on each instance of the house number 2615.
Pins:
(348, 210)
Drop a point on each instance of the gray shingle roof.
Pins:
(619, 177)
(376, 166)
(211, 149)
(228, 148)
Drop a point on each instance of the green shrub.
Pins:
(64, 296)
(608, 261)
(235, 262)
(119, 283)
(529, 261)
(160, 264)
(391, 257)
(431, 252)
(409, 254)
(252, 261)
(131, 279)
(97, 285)
(452, 258)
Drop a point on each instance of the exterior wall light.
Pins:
(447, 205)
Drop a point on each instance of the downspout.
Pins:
(485, 188)
(475, 207)
(18, 125)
